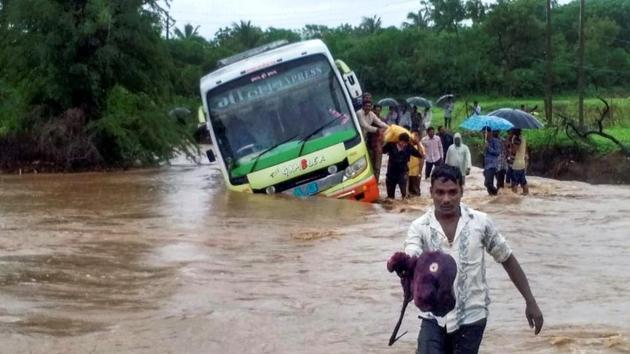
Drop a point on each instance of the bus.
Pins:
(282, 121)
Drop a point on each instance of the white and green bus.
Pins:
(282, 121)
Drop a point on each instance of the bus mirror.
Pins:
(210, 155)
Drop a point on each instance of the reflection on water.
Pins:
(166, 260)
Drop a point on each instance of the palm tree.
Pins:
(190, 32)
(371, 24)
(419, 19)
(246, 33)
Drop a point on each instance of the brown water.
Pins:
(167, 261)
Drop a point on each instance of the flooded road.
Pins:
(167, 261)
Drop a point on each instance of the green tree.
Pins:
(370, 25)
(66, 57)
(447, 14)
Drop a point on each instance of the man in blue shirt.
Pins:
(492, 151)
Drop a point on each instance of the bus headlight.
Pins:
(270, 190)
(356, 168)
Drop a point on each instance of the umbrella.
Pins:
(477, 123)
(518, 118)
(388, 102)
(443, 99)
(419, 102)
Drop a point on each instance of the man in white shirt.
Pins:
(458, 155)
(464, 234)
(367, 119)
(435, 152)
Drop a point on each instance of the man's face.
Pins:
(431, 133)
(441, 130)
(446, 196)
(377, 110)
(367, 106)
(457, 141)
(402, 144)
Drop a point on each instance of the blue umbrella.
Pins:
(477, 123)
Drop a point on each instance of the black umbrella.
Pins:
(419, 102)
(443, 99)
(520, 119)
(388, 102)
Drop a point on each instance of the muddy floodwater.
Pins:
(168, 261)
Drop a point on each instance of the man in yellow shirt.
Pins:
(415, 166)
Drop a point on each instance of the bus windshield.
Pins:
(276, 110)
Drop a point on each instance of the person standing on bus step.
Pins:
(435, 152)
(397, 166)
(375, 143)
(465, 234)
(370, 123)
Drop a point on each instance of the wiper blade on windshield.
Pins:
(269, 149)
(311, 134)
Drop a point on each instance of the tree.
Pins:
(447, 14)
(68, 57)
(190, 32)
(475, 11)
(370, 25)
(419, 19)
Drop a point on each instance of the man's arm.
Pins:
(518, 277)
(376, 120)
(387, 147)
(415, 152)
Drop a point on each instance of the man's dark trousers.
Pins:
(488, 175)
(434, 339)
(391, 181)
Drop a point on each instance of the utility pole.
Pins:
(549, 62)
(581, 67)
(168, 25)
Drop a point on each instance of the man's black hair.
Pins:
(440, 127)
(403, 137)
(377, 106)
(446, 173)
(430, 128)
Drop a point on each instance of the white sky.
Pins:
(211, 15)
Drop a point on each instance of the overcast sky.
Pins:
(211, 15)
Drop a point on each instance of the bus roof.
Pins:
(260, 61)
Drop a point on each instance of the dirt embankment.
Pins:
(613, 168)
(571, 164)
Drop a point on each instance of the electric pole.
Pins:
(549, 62)
(581, 67)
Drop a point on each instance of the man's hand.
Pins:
(534, 317)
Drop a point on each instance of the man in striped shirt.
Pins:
(467, 235)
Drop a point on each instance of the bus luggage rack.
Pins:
(250, 53)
